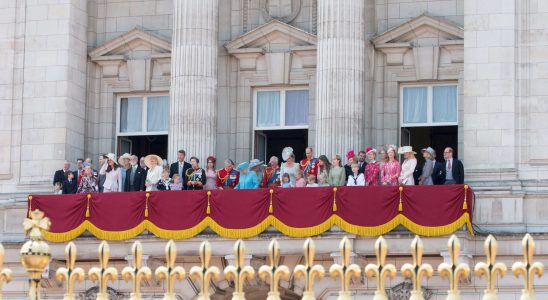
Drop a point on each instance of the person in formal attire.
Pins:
(391, 169)
(125, 164)
(227, 177)
(309, 165)
(372, 169)
(79, 172)
(211, 174)
(142, 164)
(102, 174)
(350, 160)
(383, 158)
(356, 178)
(438, 176)
(408, 166)
(248, 179)
(361, 161)
(271, 176)
(70, 185)
(164, 184)
(135, 176)
(256, 166)
(195, 176)
(88, 184)
(180, 167)
(289, 166)
(428, 168)
(154, 174)
(113, 179)
(59, 175)
(453, 168)
(323, 165)
(337, 174)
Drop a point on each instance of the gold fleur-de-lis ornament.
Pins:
(490, 269)
(70, 275)
(5, 273)
(239, 273)
(136, 273)
(170, 272)
(381, 270)
(204, 273)
(309, 271)
(417, 270)
(345, 270)
(528, 268)
(454, 270)
(274, 271)
(103, 273)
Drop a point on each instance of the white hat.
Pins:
(149, 158)
(255, 162)
(429, 150)
(406, 149)
(286, 152)
(125, 155)
(112, 157)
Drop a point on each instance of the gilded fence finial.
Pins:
(70, 274)
(136, 273)
(455, 270)
(170, 272)
(528, 268)
(5, 273)
(345, 270)
(381, 270)
(274, 271)
(239, 273)
(490, 268)
(103, 273)
(204, 273)
(309, 271)
(417, 270)
(35, 254)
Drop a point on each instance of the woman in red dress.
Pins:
(372, 169)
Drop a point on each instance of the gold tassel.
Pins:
(208, 210)
(146, 205)
(87, 207)
(30, 206)
(334, 199)
(400, 206)
(465, 204)
(270, 208)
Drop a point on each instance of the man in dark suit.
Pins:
(453, 170)
(361, 161)
(135, 176)
(180, 167)
(59, 175)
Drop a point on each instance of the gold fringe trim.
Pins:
(465, 204)
(334, 199)
(400, 206)
(368, 231)
(438, 230)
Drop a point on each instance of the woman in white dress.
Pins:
(408, 166)
(113, 175)
(154, 164)
(289, 166)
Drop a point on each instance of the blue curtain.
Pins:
(445, 103)
(296, 108)
(158, 113)
(131, 114)
(415, 104)
(268, 109)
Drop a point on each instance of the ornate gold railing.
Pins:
(35, 256)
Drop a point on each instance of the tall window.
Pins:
(281, 109)
(428, 105)
(143, 115)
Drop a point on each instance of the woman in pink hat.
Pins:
(372, 168)
(350, 159)
(390, 169)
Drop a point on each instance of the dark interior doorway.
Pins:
(437, 137)
(143, 145)
(271, 143)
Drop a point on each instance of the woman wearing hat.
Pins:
(350, 159)
(211, 175)
(427, 169)
(248, 179)
(154, 164)
(255, 165)
(372, 168)
(113, 173)
(124, 164)
(289, 166)
(195, 177)
(408, 166)
(391, 169)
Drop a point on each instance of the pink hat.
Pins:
(350, 154)
(370, 149)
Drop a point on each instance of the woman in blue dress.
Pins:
(248, 180)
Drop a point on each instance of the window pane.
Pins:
(415, 104)
(158, 113)
(445, 104)
(268, 109)
(296, 107)
(131, 114)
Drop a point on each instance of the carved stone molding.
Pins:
(91, 294)
(403, 290)
(269, 16)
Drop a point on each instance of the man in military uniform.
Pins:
(227, 178)
(309, 165)
(272, 176)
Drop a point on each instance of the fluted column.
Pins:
(340, 76)
(193, 98)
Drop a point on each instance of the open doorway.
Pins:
(142, 145)
(271, 143)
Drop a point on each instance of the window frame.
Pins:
(283, 91)
(429, 104)
(144, 115)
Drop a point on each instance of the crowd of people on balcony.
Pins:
(370, 167)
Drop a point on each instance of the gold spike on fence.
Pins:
(170, 272)
(274, 271)
(309, 271)
(137, 272)
(240, 272)
(70, 275)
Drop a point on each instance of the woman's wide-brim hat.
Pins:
(255, 162)
(286, 153)
(370, 149)
(112, 157)
(406, 149)
(243, 166)
(153, 157)
(429, 150)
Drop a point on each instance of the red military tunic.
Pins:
(309, 166)
(227, 179)
(271, 177)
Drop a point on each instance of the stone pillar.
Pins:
(340, 73)
(192, 122)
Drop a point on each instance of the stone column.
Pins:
(193, 98)
(340, 76)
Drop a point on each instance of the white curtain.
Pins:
(131, 114)
(296, 107)
(268, 109)
(415, 104)
(158, 113)
(445, 104)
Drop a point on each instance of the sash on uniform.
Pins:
(273, 177)
(228, 181)
(310, 163)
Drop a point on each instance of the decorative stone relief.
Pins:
(403, 290)
(91, 294)
(282, 10)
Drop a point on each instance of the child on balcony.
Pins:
(176, 185)
(322, 180)
(165, 181)
(299, 180)
(286, 181)
(356, 179)
(312, 181)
